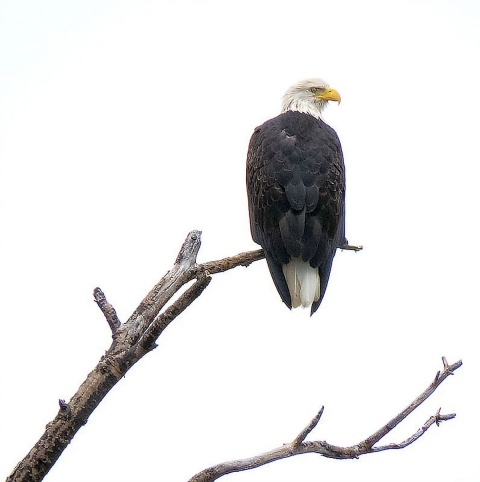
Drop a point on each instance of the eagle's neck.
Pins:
(306, 106)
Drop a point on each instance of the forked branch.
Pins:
(300, 446)
(131, 341)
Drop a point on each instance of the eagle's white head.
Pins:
(309, 96)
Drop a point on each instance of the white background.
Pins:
(124, 125)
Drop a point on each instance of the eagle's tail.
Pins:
(303, 282)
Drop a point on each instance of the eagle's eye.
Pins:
(314, 90)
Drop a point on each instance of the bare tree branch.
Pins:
(131, 341)
(137, 336)
(300, 446)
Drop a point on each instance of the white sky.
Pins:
(124, 125)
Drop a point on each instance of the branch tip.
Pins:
(442, 418)
(107, 309)
(304, 433)
(187, 256)
(351, 247)
(437, 417)
(449, 369)
(64, 407)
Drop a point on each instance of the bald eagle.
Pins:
(296, 194)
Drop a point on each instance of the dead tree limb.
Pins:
(131, 341)
(137, 337)
(300, 446)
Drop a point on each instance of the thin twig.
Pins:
(434, 419)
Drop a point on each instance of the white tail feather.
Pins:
(303, 282)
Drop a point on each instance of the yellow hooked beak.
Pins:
(328, 94)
